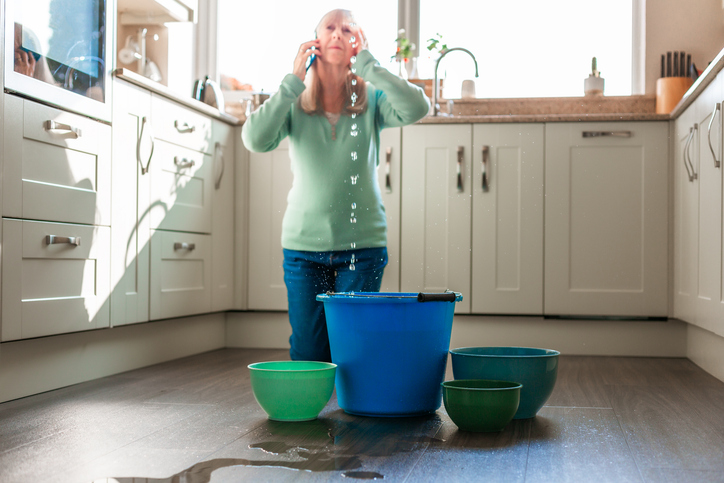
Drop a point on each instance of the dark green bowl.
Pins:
(535, 369)
(480, 405)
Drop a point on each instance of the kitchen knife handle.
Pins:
(461, 158)
(388, 162)
(486, 158)
(717, 162)
(601, 134)
(144, 169)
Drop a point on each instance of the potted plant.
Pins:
(404, 55)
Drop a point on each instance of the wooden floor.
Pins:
(195, 420)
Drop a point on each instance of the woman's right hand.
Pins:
(306, 50)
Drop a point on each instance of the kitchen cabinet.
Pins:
(389, 180)
(436, 210)
(180, 281)
(606, 219)
(57, 165)
(130, 250)
(507, 219)
(56, 278)
(270, 179)
(56, 214)
(472, 218)
(222, 222)
(686, 215)
(699, 267)
(710, 303)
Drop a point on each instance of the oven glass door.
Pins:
(57, 51)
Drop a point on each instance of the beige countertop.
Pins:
(146, 83)
(714, 67)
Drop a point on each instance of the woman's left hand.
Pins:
(361, 43)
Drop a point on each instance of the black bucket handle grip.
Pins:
(436, 297)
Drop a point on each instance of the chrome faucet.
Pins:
(435, 106)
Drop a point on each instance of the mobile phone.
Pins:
(311, 60)
(312, 57)
(34, 54)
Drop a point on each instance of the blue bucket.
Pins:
(390, 350)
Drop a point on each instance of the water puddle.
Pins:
(363, 475)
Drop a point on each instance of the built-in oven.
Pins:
(60, 52)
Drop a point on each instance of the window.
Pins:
(529, 48)
(258, 41)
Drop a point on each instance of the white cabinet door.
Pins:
(56, 278)
(388, 174)
(222, 225)
(710, 304)
(436, 210)
(507, 250)
(180, 274)
(181, 189)
(57, 165)
(606, 219)
(686, 216)
(132, 149)
(270, 179)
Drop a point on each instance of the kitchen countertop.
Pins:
(158, 88)
(472, 111)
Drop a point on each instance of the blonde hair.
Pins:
(311, 98)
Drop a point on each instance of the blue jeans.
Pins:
(307, 274)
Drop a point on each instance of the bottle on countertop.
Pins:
(593, 85)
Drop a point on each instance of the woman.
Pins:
(334, 232)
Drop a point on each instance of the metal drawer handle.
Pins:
(219, 154)
(600, 134)
(461, 159)
(692, 175)
(144, 169)
(717, 162)
(183, 128)
(183, 162)
(184, 246)
(51, 125)
(388, 162)
(58, 240)
(486, 159)
(686, 151)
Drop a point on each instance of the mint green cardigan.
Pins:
(335, 201)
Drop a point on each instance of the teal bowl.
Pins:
(479, 405)
(292, 390)
(535, 369)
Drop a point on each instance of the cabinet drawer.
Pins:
(180, 125)
(181, 189)
(52, 288)
(180, 274)
(55, 172)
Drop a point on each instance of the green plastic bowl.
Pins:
(292, 390)
(480, 405)
(536, 369)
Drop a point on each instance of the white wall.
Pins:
(694, 26)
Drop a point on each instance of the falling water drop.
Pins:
(353, 220)
(354, 82)
(354, 116)
(352, 39)
(354, 206)
(353, 59)
(354, 154)
(351, 266)
(354, 70)
(353, 245)
(354, 178)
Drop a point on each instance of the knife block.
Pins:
(669, 91)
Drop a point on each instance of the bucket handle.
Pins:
(437, 297)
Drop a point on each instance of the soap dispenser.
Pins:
(593, 85)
